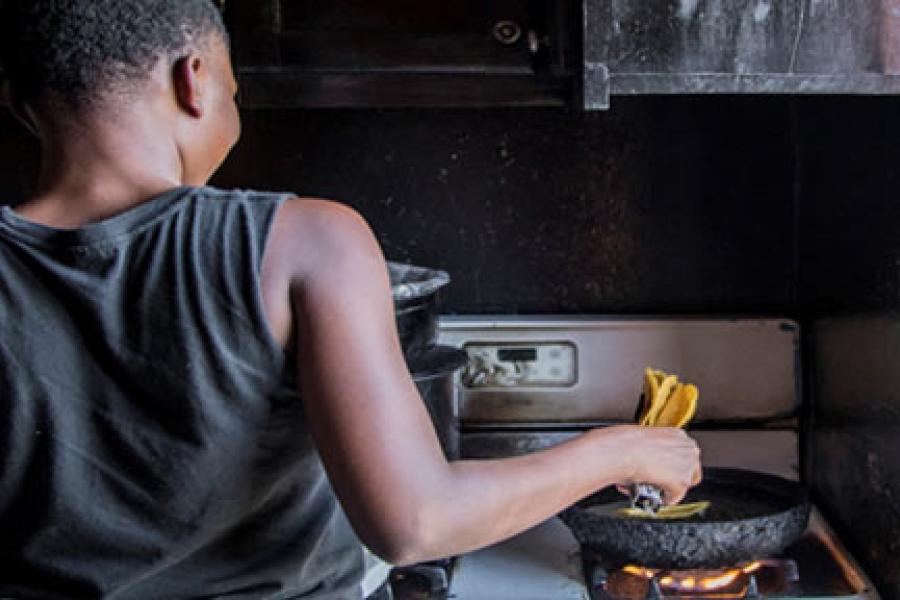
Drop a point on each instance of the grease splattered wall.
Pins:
(660, 205)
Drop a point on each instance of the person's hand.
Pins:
(662, 456)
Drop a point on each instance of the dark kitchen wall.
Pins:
(849, 234)
(660, 205)
(19, 157)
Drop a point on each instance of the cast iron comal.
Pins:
(752, 516)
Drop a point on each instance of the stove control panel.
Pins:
(516, 365)
(560, 369)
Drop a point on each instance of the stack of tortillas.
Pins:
(666, 402)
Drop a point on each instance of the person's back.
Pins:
(152, 433)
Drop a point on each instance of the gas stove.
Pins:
(533, 382)
(546, 562)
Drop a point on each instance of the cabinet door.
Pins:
(359, 45)
(758, 47)
(407, 35)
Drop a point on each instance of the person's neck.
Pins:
(101, 167)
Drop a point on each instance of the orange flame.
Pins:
(718, 582)
(753, 567)
(639, 571)
(697, 581)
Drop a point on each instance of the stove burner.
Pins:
(760, 579)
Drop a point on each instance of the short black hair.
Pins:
(76, 52)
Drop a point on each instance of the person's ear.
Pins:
(188, 79)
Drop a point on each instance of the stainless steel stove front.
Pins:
(533, 382)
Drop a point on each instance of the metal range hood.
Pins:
(636, 47)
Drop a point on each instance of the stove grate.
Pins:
(760, 579)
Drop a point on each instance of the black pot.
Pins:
(416, 291)
(432, 370)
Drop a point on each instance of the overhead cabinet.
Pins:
(400, 52)
(745, 46)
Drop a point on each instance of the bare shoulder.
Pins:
(321, 219)
(313, 236)
(317, 247)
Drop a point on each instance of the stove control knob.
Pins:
(479, 371)
(484, 372)
(475, 377)
(505, 376)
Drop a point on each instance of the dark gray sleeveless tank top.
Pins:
(151, 442)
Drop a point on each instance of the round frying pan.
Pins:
(752, 516)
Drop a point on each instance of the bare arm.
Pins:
(406, 502)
